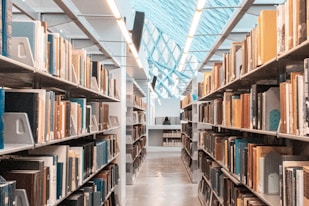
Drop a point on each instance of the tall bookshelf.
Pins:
(16, 73)
(230, 118)
(136, 132)
(189, 136)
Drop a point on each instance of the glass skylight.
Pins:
(165, 33)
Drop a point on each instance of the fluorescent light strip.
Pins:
(124, 31)
(193, 27)
(114, 8)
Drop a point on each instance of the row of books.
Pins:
(53, 117)
(217, 189)
(139, 102)
(266, 106)
(135, 149)
(187, 144)
(135, 167)
(187, 129)
(187, 100)
(294, 99)
(50, 173)
(258, 47)
(98, 191)
(269, 169)
(257, 109)
(172, 133)
(139, 117)
(188, 162)
(277, 32)
(186, 115)
(138, 131)
(292, 24)
(54, 54)
(172, 142)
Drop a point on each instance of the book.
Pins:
(288, 14)
(280, 29)
(76, 199)
(271, 109)
(62, 153)
(26, 164)
(306, 188)
(236, 111)
(6, 23)
(2, 109)
(28, 180)
(262, 151)
(35, 34)
(269, 181)
(82, 103)
(288, 164)
(267, 36)
(15, 102)
(255, 90)
(9, 187)
(53, 67)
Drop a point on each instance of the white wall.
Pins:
(168, 107)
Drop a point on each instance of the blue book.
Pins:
(4, 194)
(53, 53)
(83, 103)
(26, 29)
(2, 101)
(240, 145)
(100, 186)
(99, 155)
(6, 24)
(59, 179)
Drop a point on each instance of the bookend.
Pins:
(74, 77)
(94, 124)
(21, 50)
(94, 84)
(17, 129)
(113, 121)
(21, 198)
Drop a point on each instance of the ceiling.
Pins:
(166, 30)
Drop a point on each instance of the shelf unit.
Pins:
(22, 72)
(136, 133)
(172, 138)
(189, 138)
(271, 70)
(168, 136)
(84, 33)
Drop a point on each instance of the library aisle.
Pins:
(162, 180)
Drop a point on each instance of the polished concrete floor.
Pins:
(162, 181)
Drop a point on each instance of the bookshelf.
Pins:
(218, 100)
(189, 137)
(136, 133)
(16, 74)
(164, 135)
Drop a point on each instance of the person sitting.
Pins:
(166, 121)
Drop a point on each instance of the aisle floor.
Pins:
(162, 180)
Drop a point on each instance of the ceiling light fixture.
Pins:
(124, 31)
(195, 20)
